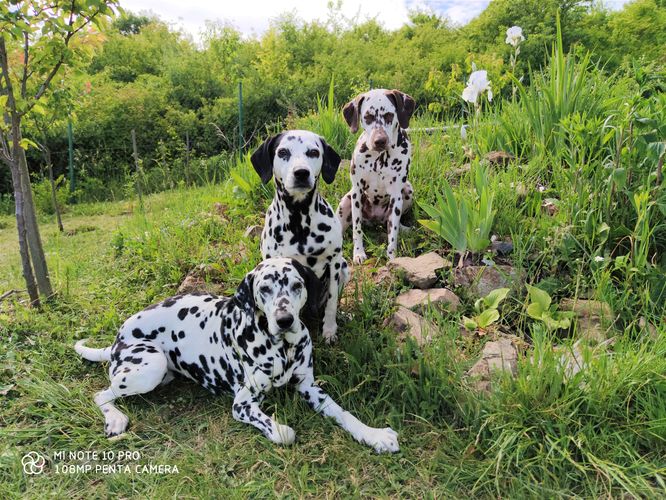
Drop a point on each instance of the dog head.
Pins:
(281, 290)
(296, 158)
(381, 113)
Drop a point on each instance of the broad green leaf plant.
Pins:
(542, 309)
(486, 309)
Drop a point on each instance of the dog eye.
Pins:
(283, 153)
(369, 118)
(265, 290)
(297, 287)
(388, 117)
(312, 153)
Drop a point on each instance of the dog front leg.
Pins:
(246, 409)
(357, 222)
(338, 278)
(381, 440)
(394, 224)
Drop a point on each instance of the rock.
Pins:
(410, 323)
(501, 248)
(481, 280)
(382, 275)
(253, 231)
(417, 300)
(191, 284)
(497, 356)
(458, 172)
(221, 210)
(420, 271)
(571, 360)
(593, 318)
(648, 328)
(550, 206)
(499, 158)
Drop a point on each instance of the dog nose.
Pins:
(301, 174)
(380, 142)
(284, 321)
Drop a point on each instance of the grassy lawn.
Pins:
(601, 433)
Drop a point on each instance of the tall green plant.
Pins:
(559, 91)
(463, 221)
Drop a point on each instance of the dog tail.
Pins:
(92, 354)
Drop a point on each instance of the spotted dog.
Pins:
(379, 166)
(300, 223)
(245, 344)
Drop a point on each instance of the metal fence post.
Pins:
(70, 144)
(240, 119)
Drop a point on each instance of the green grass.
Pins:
(603, 433)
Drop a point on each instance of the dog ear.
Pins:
(262, 158)
(330, 162)
(404, 106)
(244, 295)
(315, 289)
(351, 112)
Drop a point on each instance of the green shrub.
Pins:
(44, 199)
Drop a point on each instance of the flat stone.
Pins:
(497, 356)
(417, 300)
(253, 231)
(481, 280)
(499, 158)
(593, 318)
(420, 271)
(409, 323)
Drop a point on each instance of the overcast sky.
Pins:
(253, 16)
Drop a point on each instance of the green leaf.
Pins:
(540, 297)
(469, 323)
(487, 317)
(27, 143)
(535, 311)
(39, 109)
(555, 321)
(493, 299)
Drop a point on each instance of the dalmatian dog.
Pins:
(245, 344)
(299, 222)
(379, 166)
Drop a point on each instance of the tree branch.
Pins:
(44, 86)
(26, 55)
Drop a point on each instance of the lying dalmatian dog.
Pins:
(379, 167)
(245, 344)
(300, 223)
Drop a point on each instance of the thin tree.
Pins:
(38, 38)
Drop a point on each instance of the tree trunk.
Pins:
(26, 220)
(54, 197)
(32, 228)
(28, 275)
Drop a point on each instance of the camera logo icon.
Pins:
(33, 463)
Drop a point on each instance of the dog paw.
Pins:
(330, 334)
(383, 440)
(283, 434)
(359, 257)
(115, 425)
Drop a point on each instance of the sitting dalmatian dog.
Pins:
(245, 344)
(379, 166)
(300, 223)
